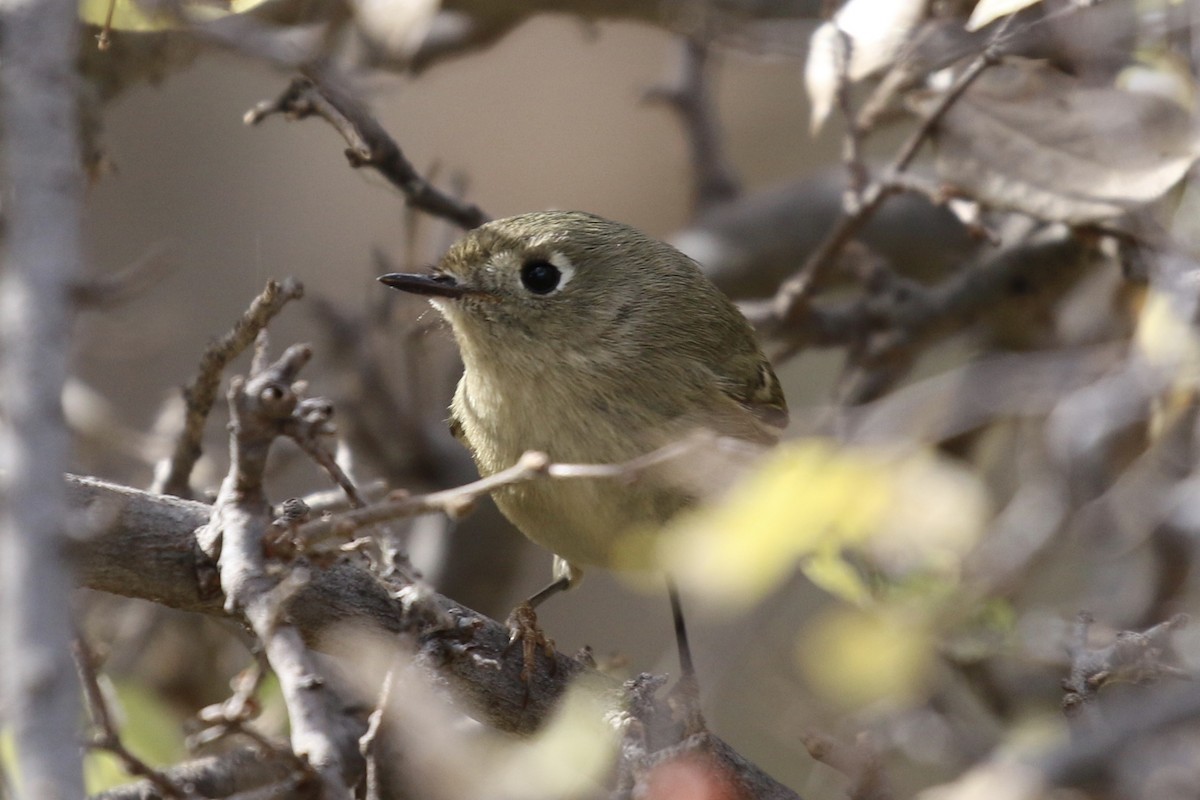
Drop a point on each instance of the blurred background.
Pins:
(1045, 441)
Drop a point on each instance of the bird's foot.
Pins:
(523, 627)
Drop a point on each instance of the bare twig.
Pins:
(690, 96)
(108, 738)
(856, 170)
(311, 421)
(233, 714)
(369, 145)
(531, 466)
(173, 475)
(367, 744)
(112, 290)
(860, 761)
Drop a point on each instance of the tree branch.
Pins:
(173, 475)
(369, 145)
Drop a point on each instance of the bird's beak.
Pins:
(437, 284)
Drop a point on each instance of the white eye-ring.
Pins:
(544, 276)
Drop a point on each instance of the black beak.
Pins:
(438, 284)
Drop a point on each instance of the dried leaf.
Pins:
(987, 11)
(872, 31)
(397, 26)
(1029, 138)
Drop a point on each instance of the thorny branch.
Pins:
(174, 475)
(369, 145)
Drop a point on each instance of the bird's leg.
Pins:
(686, 694)
(555, 586)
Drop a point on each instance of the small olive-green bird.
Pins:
(587, 340)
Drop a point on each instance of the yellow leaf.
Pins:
(831, 572)
(807, 497)
(856, 658)
(569, 757)
(812, 501)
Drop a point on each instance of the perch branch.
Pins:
(140, 545)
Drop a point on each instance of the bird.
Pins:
(594, 343)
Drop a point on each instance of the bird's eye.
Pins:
(540, 276)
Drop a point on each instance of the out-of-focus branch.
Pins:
(689, 94)
(173, 474)
(369, 145)
(467, 26)
(241, 770)
(43, 186)
(752, 244)
(891, 324)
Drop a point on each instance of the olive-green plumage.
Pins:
(630, 348)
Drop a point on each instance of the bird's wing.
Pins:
(757, 390)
